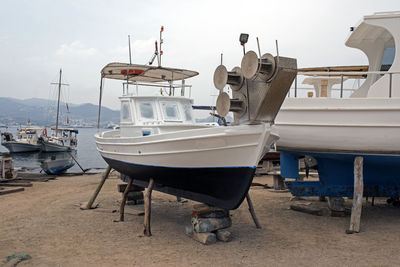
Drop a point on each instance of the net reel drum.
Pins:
(253, 67)
(222, 77)
(225, 104)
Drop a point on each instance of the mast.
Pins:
(58, 101)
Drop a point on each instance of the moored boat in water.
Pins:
(60, 139)
(64, 140)
(27, 140)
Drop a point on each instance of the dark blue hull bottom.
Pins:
(224, 187)
(336, 175)
(58, 170)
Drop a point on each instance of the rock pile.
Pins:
(209, 224)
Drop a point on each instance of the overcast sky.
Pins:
(37, 38)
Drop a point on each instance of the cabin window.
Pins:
(388, 58)
(146, 110)
(125, 112)
(170, 111)
(188, 111)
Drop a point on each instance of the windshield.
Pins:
(388, 58)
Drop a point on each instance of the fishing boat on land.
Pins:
(158, 137)
(60, 139)
(334, 129)
(27, 140)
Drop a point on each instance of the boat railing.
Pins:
(343, 75)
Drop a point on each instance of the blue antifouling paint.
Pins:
(145, 133)
(289, 165)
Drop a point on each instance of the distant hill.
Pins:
(43, 112)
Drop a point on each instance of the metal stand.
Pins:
(147, 208)
(252, 212)
(97, 191)
(123, 201)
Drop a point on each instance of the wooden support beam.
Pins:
(279, 183)
(97, 191)
(147, 208)
(357, 196)
(123, 201)
(9, 191)
(252, 212)
(16, 184)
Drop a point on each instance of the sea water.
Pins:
(86, 154)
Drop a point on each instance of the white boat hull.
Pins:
(211, 165)
(18, 147)
(207, 147)
(52, 147)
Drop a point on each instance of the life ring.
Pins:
(44, 132)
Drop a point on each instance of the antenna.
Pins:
(161, 42)
(154, 55)
(259, 50)
(277, 51)
(130, 56)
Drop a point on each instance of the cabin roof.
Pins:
(65, 129)
(144, 73)
(342, 69)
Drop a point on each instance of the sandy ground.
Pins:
(46, 222)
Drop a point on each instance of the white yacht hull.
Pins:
(361, 126)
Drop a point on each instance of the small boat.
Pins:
(335, 129)
(61, 139)
(56, 166)
(65, 140)
(159, 138)
(27, 140)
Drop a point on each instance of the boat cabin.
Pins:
(29, 135)
(376, 36)
(64, 136)
(144, 115)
